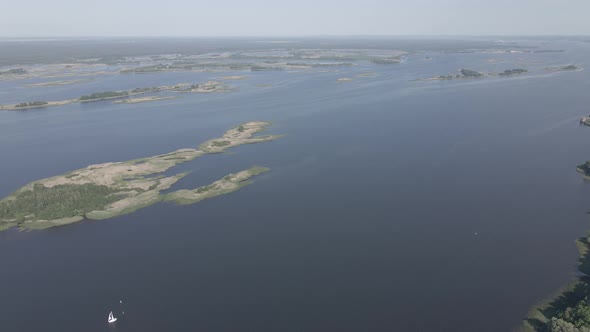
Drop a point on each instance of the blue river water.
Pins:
(392, 205)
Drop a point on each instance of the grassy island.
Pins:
(15, 71)
(564, 68)
(207, 87)
(104, 95)
(470, 73)
(570, 67)
(54, 83)
(511, 72)
(227, 184)
(142, 100)
(111, 189)
(386, 61)
(31, 104)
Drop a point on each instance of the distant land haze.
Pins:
(289, 18)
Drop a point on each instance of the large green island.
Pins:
(111, 189)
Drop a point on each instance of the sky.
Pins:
(39, 18)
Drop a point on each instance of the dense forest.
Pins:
(61, 201)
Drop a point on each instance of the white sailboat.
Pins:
(112, 318)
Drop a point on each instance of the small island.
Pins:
(367, 74)
(465, 73)
(564, 68)
(511, 72)
(111, 189)
(31, 104)
(570, 67)
(229, 183)
(470, 73)
(142, 100)
(233, 78)
(14, 71)
(207, 87)
(55, 83)
(386, 61)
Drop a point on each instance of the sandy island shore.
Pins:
(142, 100)
(114, 188)
(55, 83)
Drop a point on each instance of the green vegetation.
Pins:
(570, 67)
(584, 168)
(227, 184)
(385, 61)
(470, 73)
(13, 71)
(104, 95)
(569, 312)
(560, 325)
(204, 188)
(144, 90)
(579, 314)
(510, 72)
(32, 104)
(265, 68)
(111, 189)
(61, 201)
(145, 69)
(221, 143)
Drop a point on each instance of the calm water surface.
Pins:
(391, 206)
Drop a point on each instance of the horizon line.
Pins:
(293, 36)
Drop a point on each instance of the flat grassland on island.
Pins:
(207, 87)
(110, 189)
(142, 100)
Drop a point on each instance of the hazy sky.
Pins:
(296, 17)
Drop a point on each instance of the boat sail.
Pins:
(112, 318)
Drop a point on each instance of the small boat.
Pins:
(112, 318)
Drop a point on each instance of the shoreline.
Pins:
(110, 189)
(568, 307)
(142, 100)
